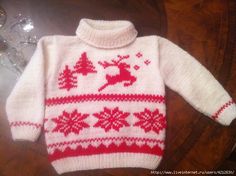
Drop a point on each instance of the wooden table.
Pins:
(206, 29)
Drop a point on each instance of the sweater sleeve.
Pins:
(186, 76)
(25, 104)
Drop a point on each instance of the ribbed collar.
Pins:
(106, 34)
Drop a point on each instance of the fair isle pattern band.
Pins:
(108, 140)
(104, 97)
(103, 149)
(105, 145)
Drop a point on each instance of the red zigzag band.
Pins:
(222, 108)
(58, 144)
(104, 97)
(24, 123)
(123, 147)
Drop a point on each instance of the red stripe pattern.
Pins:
(91, 150)
(104, 97)
(24, 123)
(136, 139)
(225, 106)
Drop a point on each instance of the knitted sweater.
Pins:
(99, 96)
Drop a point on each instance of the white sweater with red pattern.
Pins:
(100, 96)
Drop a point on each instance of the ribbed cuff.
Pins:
(28, 133)
(226, 114)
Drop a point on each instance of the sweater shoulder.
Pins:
(46, 39)
(59, 40)
(157, 38)
(151, 39)
(148, 37)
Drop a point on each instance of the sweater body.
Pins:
(123, 107)
(99, 96)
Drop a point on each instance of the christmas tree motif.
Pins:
(66, 79)
(84, 65)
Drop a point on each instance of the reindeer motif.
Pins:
(123, 76)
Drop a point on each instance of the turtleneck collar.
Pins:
(106, 34)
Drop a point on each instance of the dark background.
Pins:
(205, 28)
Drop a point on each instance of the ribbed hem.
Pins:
(106, 34)
(101, 161)
(28, 133)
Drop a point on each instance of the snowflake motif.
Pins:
(138, 55)
(147, 62)
(70, 122)
(149, 120)
(136, 67)
(111, 119)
